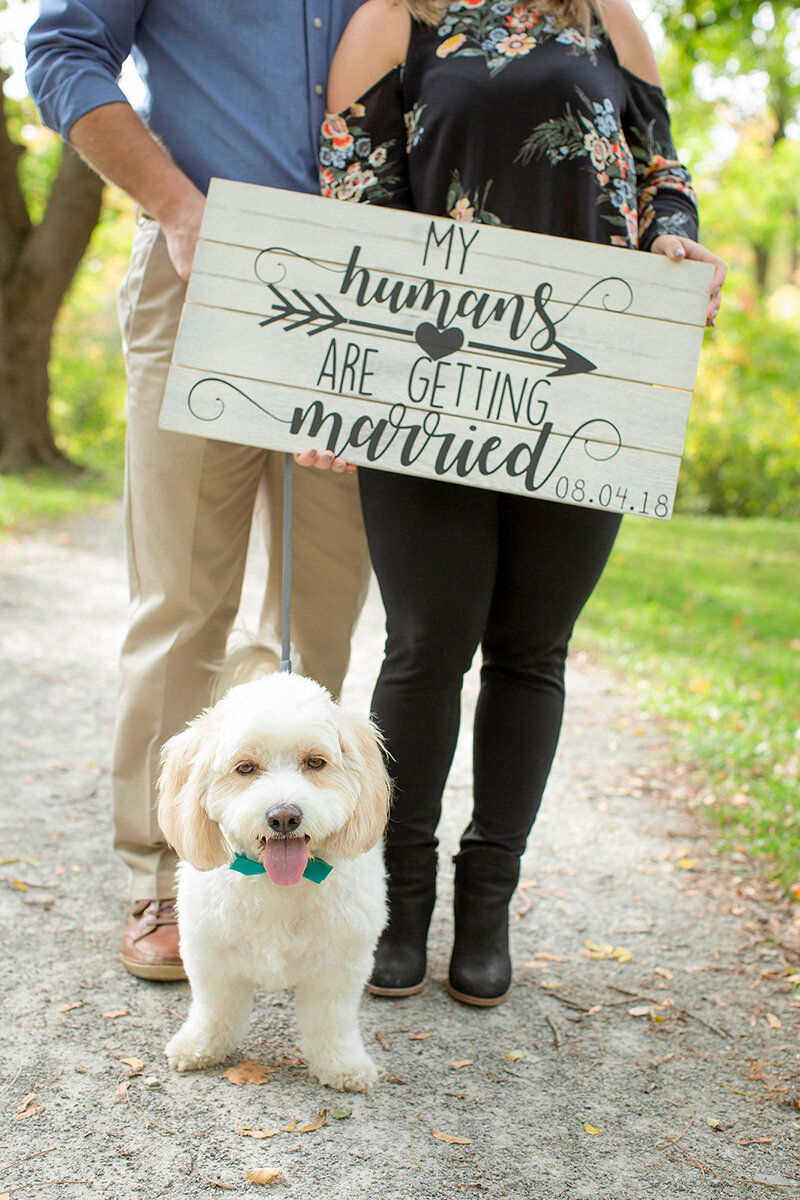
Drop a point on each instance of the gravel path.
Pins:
(666, 1066)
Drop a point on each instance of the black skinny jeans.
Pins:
(460, 567)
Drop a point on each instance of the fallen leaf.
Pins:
(606, 950)
(773, 1021)
(451, 1138)
(263, 1174)
(290, 1128)
(464, 1062)
(513, 1055)
(756, 1141)
(713, 1123)
(319, 1120)
(19, 885)
(341, 1114)
(685, 864)
(248, 1071)
(122, 1087)
(663, 972)
(64, 1008)
(259, 1133)
(639, 1010)
(115, 1013)
(395, 1079)
(545, 957)
(136, 1065)
(418, 1037)
(593, 1129)
(28, 1107)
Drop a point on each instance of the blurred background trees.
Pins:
(732, 73)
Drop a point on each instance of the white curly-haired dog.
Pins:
(284, 786)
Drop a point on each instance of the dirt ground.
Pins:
(665, 1062)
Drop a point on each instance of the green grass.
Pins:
(702, 616)
(44, 497)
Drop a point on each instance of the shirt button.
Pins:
(318, 22)
(319, 89)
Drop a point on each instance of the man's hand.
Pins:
(182, 232)
(678, 248)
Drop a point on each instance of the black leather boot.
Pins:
(480, 968)
(399, 968)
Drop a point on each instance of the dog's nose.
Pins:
(284, 819)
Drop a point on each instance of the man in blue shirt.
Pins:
(234, 90)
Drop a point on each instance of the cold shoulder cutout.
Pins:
(498, 116)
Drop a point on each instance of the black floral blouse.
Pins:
(499, 117)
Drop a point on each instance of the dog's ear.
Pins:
(185, 776)
(363, 759)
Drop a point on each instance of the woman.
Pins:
(549, 119)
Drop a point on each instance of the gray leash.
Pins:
(286, 585)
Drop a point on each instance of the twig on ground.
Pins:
(564, 999)
(18, 1187)
(382, 1040)
(27, 1158)
(11, 1082)
(679, 1012)
(556, 1035)
(675, 1141)
(707, 1168)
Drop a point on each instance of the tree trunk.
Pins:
(37, 264)
(761, 266)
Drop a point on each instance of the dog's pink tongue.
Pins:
(285, 859)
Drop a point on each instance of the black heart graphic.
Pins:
(438, 343)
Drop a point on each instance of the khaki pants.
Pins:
(189, 505)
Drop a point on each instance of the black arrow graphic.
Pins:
(306, 312)
(301, 312)
(568, 362)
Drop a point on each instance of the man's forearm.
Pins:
(117, 145)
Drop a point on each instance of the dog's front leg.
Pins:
(327, 1020)
(217, 1019)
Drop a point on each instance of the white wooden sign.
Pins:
(528, 364)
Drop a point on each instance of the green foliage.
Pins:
(702, 616)
(39, 165)
(86, 371)
(742, 453)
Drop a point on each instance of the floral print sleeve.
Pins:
(665, 198)
(362, 153)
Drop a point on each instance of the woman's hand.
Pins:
(326, 460)
(677, 248)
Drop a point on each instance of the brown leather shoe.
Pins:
(150, 945)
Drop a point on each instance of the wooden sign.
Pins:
(529, 364)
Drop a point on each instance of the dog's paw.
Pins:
(188, 1051)
(355, 1075)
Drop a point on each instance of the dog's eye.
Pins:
(315, 763)
(245, 768)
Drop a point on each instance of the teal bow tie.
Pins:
(316, 870)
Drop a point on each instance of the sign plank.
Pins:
(474, 354)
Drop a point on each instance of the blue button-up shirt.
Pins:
(235, 87)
